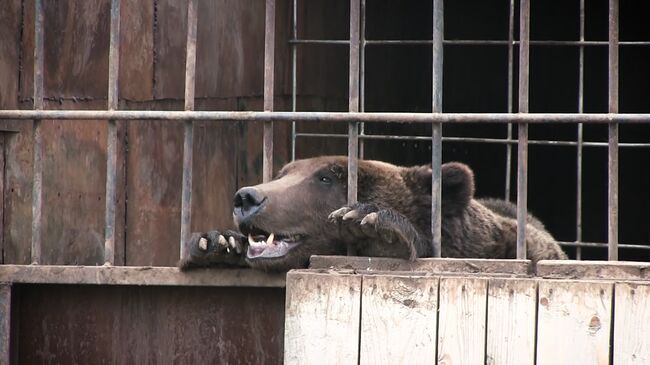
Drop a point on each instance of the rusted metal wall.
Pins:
(148, 325)
(227, 155)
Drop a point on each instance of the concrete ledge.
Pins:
(608, 270)
(518, 268)
(138, 275)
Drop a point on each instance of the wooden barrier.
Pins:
(350, 316)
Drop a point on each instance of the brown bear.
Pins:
(303, 212)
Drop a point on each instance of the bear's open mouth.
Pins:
(270, 245)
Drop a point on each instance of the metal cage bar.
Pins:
(37, 189)
(580, 136)
(269, 67)
(612, 165)
(511, 35)
(294, 75)
(353, 107)
(188, 153)
(111, 144)
(362, 76)
(522, 146)
(467, 42)
(436, 128)
(333, 117)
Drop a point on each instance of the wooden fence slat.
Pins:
(398, 319)
(631, 324)
(322, 318)
(511, 321)
(461, 321)
(574, 321)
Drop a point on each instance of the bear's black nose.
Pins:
(248, 202)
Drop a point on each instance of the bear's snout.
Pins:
(247, 203)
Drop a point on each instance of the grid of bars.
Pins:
(354, 118)
(524, 43)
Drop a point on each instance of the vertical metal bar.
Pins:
(511, 36)
(5, 323)
(188, 153)
(581, 89)
(353, 127)
(37, 192)
(294, 60)
(522, 145)
(269, 67)
(612, 171)
(362, 77)
(111, 145)
(436, 128)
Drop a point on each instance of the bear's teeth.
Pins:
(269, 241)
(256, 244)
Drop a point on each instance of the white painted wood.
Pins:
(398, 319)
(632, 324)
(461, 321)
(574, 322)
(322, 318)
(511, 318)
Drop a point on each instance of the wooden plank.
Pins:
(134, 275)
(608, 270)
(398, 320)
(511, 319)
(461, 320)
(433, 265)
(322, 318)
(69, 324)
(5, 323)
(631, 319)
(573, 322)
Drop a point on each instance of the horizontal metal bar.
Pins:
(604, 245)
(470, 140)
(319, 41)
(248, 116)
(137, 275)
(464, 42)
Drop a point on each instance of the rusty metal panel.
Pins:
(73, 194)
(149, 325)
(9, 48)
(137, 52)
(77, 57)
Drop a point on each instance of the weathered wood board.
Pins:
(511, 320)
(462, 320)
(632, 323)
(574, 322)
(68, 324)
(322, 318)
(398, 319)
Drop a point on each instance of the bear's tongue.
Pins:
(261, 247)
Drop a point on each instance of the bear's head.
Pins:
(286, 219)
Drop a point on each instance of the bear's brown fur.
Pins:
(305, 209)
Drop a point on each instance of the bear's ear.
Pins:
(457, 187)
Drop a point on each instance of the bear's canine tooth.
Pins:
(251, 241)
(203, 244)
(269, 240)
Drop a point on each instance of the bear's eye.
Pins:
(325, 180)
